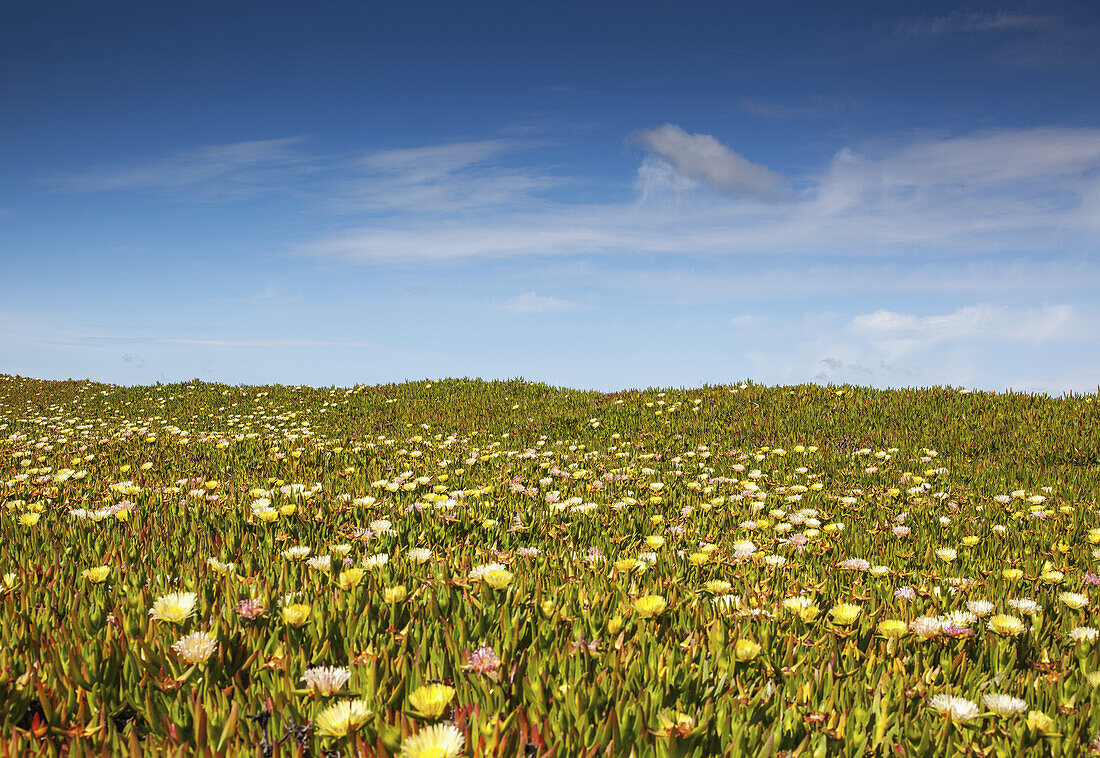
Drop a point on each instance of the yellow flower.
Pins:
(626, 565)
(350, 578)
(648, 606)
(615, 625)
(431, 700)
(1052, 576)
(296, 614)
(845, 613)
(1011, 574)
(655, 541)
(435, 741)
(718, 586)
(29, 519)
(698, 559)
(971, 541)
(1094, 536)
(746, 650)
(175, 607)
(893, 628)
(222, 568)
(395, 594)
(1006, 626)
(339, 719)
(498, 579)
(803, 607)
(97, 574)
(1039, 721)
(947, 554)
(287, 509)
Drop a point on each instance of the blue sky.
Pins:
(598, 195)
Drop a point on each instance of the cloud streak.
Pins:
(972, 22)
(988, 193)
(459, 177)
(532, 302)
(234, 168)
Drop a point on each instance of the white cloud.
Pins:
(235, 168)
(449, 178)
(981, 321)
(1000, 193)
(898, 334)
(702, 158)
(746, 320)
(532, 302)
(983, 345)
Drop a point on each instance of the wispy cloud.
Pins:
(229, 169)
(899, 333)
(988, 193)
(1014, 37)
(447, 178)
(782, 281)
(970, 21)
(702, 158)
(763, 110)
(532, 302)
(964, 346)
(262, 342)
(747, 320)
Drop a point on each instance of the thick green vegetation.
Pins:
(508, 569)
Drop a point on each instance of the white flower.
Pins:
(376, 560)
(479, 572)
(743, 549)
(195, 647)
(1004, 705)
(222, 568)
(1074, 600)
(418, 554)
(1084, 634)
(947, 554)
(326, 680)
(957, 709)
(320, 562)
(296, 553)
(381, 526)
(980, 607)
(926, 627)
(959, 618)
(1026, 606)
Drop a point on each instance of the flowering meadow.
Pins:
(463, 568)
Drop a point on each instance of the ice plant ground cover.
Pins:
(470, 568)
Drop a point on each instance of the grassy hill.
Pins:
(527, 570)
